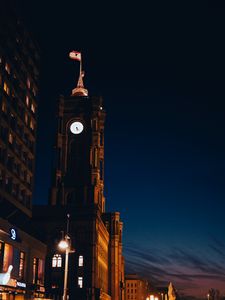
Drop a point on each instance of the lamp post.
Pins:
(64, 244)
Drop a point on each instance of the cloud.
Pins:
(192, 272)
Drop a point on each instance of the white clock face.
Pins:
(76, 127)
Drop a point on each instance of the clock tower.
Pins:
(79, 155)
(96, 267)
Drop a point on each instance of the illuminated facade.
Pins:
(19, 61)
(135, 287)
(96, 268)
(22, 259)
(22, 256)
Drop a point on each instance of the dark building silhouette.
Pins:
(22, 256)
(96, 268)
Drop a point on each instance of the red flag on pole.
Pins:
(75, 55)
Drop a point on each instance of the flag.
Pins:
(75, 55)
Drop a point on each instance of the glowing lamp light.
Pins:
(63, 244)
(152, 297)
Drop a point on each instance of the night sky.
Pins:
(160, 69)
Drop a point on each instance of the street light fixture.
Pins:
(64, 244)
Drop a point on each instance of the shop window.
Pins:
(80, 261)
(1, 256)
(80, 282)
(57, 261)
(8, 257)
(22, 264)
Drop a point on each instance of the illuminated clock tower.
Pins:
(96, 267)
(79, 162)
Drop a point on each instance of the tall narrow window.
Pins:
(34, 270)
(27, 101)
(10, 138)
(8, 257)
(80, 261)
(101, 169)
(80, 282)
(57, 261)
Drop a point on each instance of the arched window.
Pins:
(57, 261)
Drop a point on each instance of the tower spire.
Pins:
(80, 89)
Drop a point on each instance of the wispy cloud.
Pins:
(192, 272)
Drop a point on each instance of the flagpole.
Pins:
(80, 65)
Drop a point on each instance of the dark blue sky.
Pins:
(160, 69)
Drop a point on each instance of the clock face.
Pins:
(76, 127)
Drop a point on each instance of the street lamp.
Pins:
(64, 244)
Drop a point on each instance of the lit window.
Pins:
(32, 108)
(28, 83)
(31, 124)
(26, 118)
(81, 261)
(8, 257)
(6, 88)
(80, 282)
(21, 267)
(4, 107)
(27, 101)
(7, 68)
(10, 138)
(57, 261)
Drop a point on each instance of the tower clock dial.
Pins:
(76, 127)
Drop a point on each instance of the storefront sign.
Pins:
(13, 234)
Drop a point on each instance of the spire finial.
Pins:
(80, 89)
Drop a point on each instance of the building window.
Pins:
(28, 83)
(8, 257)
(21, 267)
(33, 108)
(38, 271)
(7, 68)
(81, 261)
(27, 101)
(80, 282)
(57, 261)
(31, 125)
(6, 88)
(10, 138)
(26, 118)
(4, 109)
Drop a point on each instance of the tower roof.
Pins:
(80, 89)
